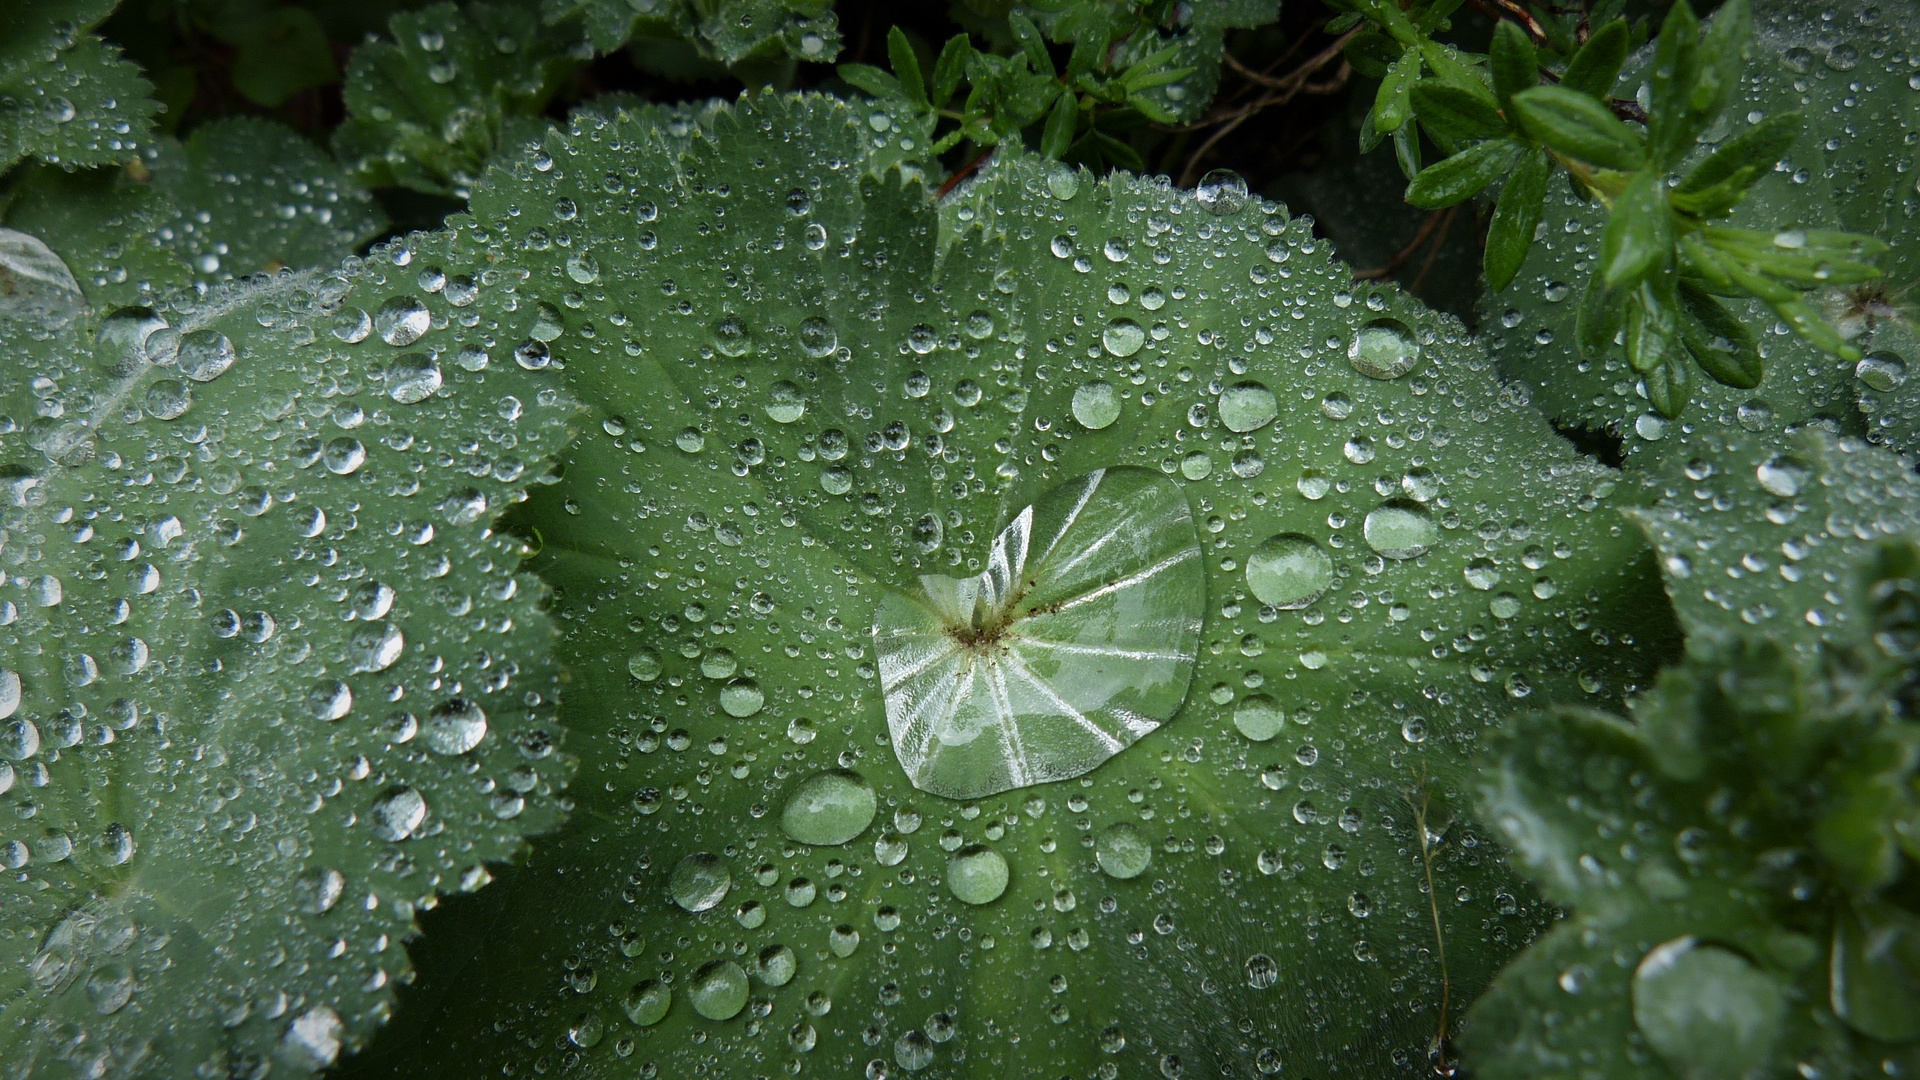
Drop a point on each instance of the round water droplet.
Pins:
(731, 338)
(1063, 181)
(829, 808)
(10, 692)
(329, 700)
(454, 727)
(1708, 1011)
(1247, 406)
(1262, 972)
(1289, 571)
(777, 965)
(1122, 851)
(1221, 192)
(1096, 405)
(718, 991)
(168, 399)
(1384, 349)
(1482, 574)
(583, 267)
(817, 337)
(204, 355)
(413, 378)
(1259, 717)
(784, 403)
(1882, 371)
(343, 456)
(741, 698)
(700, 881)
(376, 646)
(647, 1003)
(644, 665)
(1123, 337)
(977, 875)
(1783, 475)
(1399, 531)
(398, 813)
(402, 320)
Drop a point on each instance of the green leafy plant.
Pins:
(781, 567)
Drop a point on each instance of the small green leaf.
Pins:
(1670, 384)
(873, 80)
(1723, 52)
(1406, 150)
(1578, 125)
(1596, 67)
(1638, 239)
(1713, 187)
(1031, 43)
(1452, 114)
(1393, 103)
(949, 69)
(1601, 312)
(1671, 125)
(1514, 63)
(906, 68)
(1460, 177)
(1652, 326)
(1515, 216)
(1724, 346)
(1058, 135)
(67, 97)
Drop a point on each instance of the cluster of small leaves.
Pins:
(727, 31)
(1742, 858)
(1132, 63)
(1663, 260)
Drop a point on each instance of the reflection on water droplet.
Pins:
(1289, 571)
(454, 726)
(699, 881)
(1783, 475)
(412, 378)
(731, 338)
(977, 875)
(647, 1003)
(1882, 371)
(402, 320)
(784, 403)
(398, 813)
(1122, 851)
(829, 808)
(1247, 406)
(1259, 717)
(1221, 192)
(1399, 531)
(1262, 972)
(1123, 337)
(204, 355)
(1384, 349)
(718, 990)
(741, 698)
(1063, 181)
(777, 965)
(644, 665)
(1096, 405)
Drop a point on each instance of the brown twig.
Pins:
(1439, 1050)
(1281, 90)
(1433, 251)
(961, 174)
(1498, 9)
(1399, 258)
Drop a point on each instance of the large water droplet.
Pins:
(1247, 406)
(412, 378)
(1259, 717)
(402, 320)
(977, 875)
(1122, 851)
(829, 808)
(1399, 531)
(817, 337)
(1221, 192)
(398, 813)
(700, 881)
(454, 727)
(1096, 405)
(718, 991)
(1289, 571)
(1384, 349)
(1123, 337)
(204, 355)
(1079, 638)
(647, 1003)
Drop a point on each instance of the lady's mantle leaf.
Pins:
(66, 97)
(269, 683)
(806, 401)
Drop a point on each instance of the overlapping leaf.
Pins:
(803, 399)
(66, 97)
(239, 197)
(270, 684)
(725, 30)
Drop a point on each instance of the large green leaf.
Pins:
(724, 30)
(1844, 65)
(241, 196)
(270, 684)
(815, 394)
(66, 97)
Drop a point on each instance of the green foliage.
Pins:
(66, 97)
(427, 108)
(1739, 860)
(1845, 167)
(269, 682)
(852, 387)
(728, 31)
(239, 197)
(1130, 62)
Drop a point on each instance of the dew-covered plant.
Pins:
(605, 538)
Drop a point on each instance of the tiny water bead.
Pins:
(1096, 405)
(1289, 570)
(1079, 638)
(1122, 851)
(977, 875)
(699, 882)
(1384, 349)
(829, 808)
(1399, 531)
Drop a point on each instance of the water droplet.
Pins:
(376, 646)
(1063, 181)
(398, 813)
(699, 882)
(1259, 717)
(647, 1003)
(413, 378)
(583, 268)
(1384, 349)
(718, 991)
(330, 699)
(784, 403)
(829, 808)
(402, 320)
(1882, 371)
(977, 875)
(1247, 406)
(1399, 531)
(644, 665)
(1123, 337)
(1096, 405)
(731, 338)
(204, 355)
(817, 337)
(343, 456)
(168, 399)
(741, 698)
(777, 965)
(1221, 192)
(1783, 475)
(1122, 851)
(454, 726)
(1262, 972)
(1288, 571)
(10, 692)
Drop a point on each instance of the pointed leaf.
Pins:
(1723, 345)
(1638, 239)
(1454, 179)
(1596, 67)
(1514, 63)
(1450, 113)
(1579, 126)
(906, 67)
(1515, 216)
